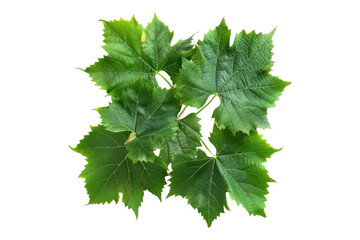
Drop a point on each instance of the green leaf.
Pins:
(142, 118)
(135, 52)
(240, 160)
(185, 141)
(237, 168)
(110, 171)
(238, 74)
(199, 180)
(150, 114)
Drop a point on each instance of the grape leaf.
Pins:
(110, 171)
(185, 141)
(135, 52)
(200, 181)
(149, 113)
(142, 118)
(238, 74)
(236, 168)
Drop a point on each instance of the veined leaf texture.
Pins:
(142, 117)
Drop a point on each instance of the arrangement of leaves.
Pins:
(142, 118)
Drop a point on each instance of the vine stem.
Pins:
(181, 113)
(168, 82)
(206, 104)
(207, 148)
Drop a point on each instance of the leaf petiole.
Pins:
(181, 113)
(207, 148)
(168, 82)
(206, 104)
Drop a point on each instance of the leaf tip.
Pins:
(73, 148)
(78, 68)
(171, 191)
(272, 180)
(136, 214)
(99, 109)
(271, 34)
(287, 83)
(155, 17)
(133, 18)
(223, 22)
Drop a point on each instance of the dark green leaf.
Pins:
(240, 160)
(185, 141)
(110, 171)
(199, 180)
(236, 168)
(143, 118)
(150, 114)
(239, 75)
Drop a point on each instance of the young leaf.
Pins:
(239, 75)
(135, 52)
(185, 141)
(237, 167)
(148, 113)
(110, 171)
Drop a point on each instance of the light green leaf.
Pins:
(185, 141)
(238, 74)
(237, 168)
(110, 171)
(150, 114)
(135, 52)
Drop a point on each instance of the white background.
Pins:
(46, 105)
